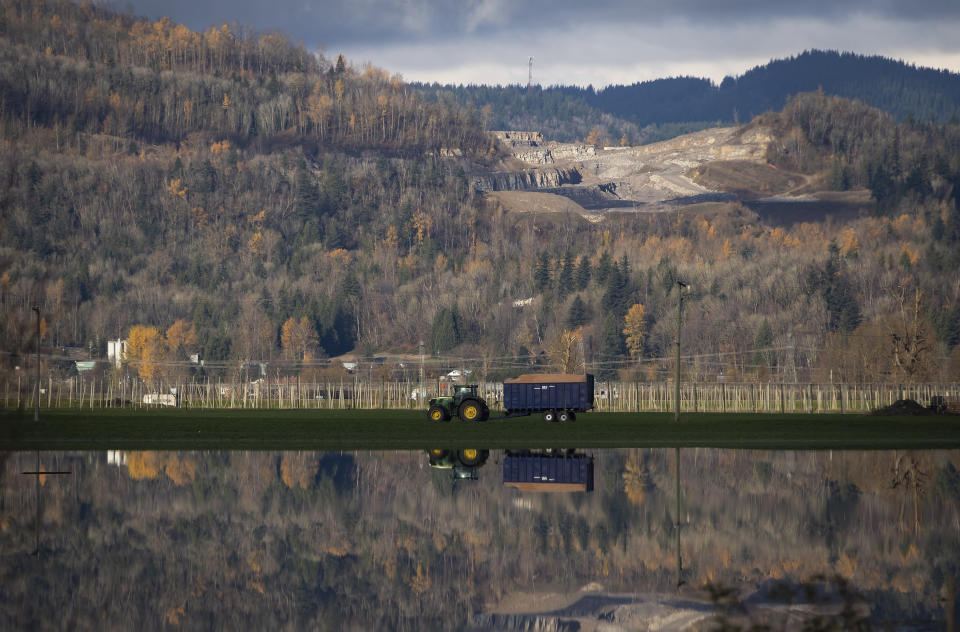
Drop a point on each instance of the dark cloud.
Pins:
(367, 21)
(577, 41)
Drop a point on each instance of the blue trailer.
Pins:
(563, 471)
(558, 397)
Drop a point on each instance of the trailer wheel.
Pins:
(573, 416)
(549, 415)
(438, 413)
(563, 416)
(470, 410)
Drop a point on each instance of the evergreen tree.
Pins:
(832, 284)
(616, 294)
(582, 275)
(762, 355)
(577, 316)
(612, 348)
(307, 201)
(541, 271)
(603, 268)
(446, 332)
(565, 278)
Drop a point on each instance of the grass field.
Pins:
(389, 429)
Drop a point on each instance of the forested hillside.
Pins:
(231, 195)
(653, 110)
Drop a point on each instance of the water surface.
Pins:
(419, 540)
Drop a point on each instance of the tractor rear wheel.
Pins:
(438, 413)
(484, 411)
(470, 456)
(470, 410)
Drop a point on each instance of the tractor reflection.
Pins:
(464, 463)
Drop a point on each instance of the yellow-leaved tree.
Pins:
(637, 479)
(298, 338)
(145, 349)
(635, 329)
(181, 336)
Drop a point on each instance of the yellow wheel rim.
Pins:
(436, 415)
(436, 452)
(470, 454)
(470, 412)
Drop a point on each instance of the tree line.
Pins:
(662, 108)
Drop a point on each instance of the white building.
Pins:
(116, 351)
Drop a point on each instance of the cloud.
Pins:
(628, 53)
(367, 21)
(599, 42)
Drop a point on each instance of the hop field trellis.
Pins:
(360, 393)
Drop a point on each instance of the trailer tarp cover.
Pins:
(547, 378)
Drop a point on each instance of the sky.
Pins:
(581, 42)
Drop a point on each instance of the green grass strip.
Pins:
(176, 429)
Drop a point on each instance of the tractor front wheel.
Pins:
(438, 413)
(470, 410)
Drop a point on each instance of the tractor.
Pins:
(465, 403)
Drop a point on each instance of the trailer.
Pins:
(558, 397)
(548, 471)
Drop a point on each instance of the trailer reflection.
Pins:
(549, 470)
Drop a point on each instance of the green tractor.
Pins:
(465, 403)
(464, 463)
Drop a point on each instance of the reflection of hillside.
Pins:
(260, 540)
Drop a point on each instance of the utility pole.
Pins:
(421, 365)
(676, 380)
(680, 580)
(36, 407)
(793, 359)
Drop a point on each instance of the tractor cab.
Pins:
(461, 391)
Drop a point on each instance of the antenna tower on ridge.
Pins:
(530, 73)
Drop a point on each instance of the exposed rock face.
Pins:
(648, 178)
(523, 623)
(555, 152)
(511, 138)
(530, 147)
(526, 180)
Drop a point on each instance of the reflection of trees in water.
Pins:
(302, 539)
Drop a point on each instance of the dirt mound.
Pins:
(745, 178)
(903, 407)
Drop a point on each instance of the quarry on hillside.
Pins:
(722, 164)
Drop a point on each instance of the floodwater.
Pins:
(629, 539)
